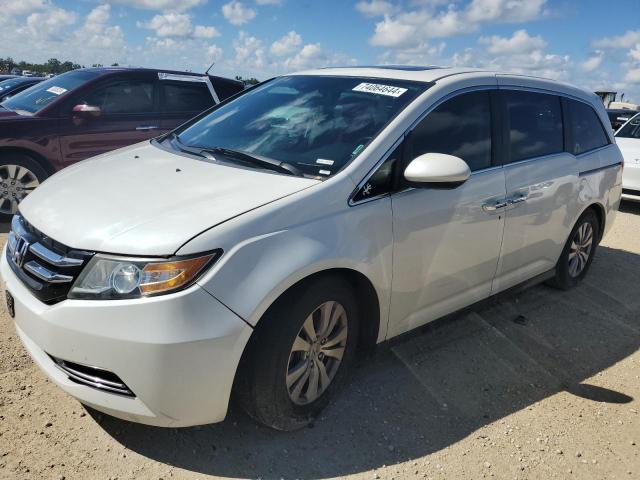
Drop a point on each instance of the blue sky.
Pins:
(593, 44)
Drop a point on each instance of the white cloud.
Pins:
(96, 34)
(519, 42)
(201, 31)
(593, 62)
(22, 7)
(249, 51)
(628, 40)
(311, 56)
(50, 23)
(508, 11)
(374, 8)
(215, 53)
(634, 53)
(286, 44)
(174, 24)
(165, 5)
(237, 14)
(633, 76)
(410, 28)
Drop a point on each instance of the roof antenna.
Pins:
(210, 67)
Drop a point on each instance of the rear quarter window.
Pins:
(586, 131)
(186, 96)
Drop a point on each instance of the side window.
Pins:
(381, 182)
(461, 127)
(535, 124)
(586, 131)
(186, 96)
(126, 96)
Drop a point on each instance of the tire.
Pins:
(569, 273)
(19, 175)
(264, 387)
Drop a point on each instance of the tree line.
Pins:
(53, 65)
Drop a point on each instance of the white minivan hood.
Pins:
(143, 200)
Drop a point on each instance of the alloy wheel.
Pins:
(581, 246)
(16, 182)
(317, 353)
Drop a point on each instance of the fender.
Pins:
(252, 274)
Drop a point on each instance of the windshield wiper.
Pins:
(252, 158)
(245, 157)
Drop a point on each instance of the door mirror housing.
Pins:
(86, 111)
(437, 170)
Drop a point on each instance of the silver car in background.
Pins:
(260, 247)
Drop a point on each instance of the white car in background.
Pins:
(628, 139)
(261, 246)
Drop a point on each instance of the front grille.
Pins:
(628, 191)
(93, 377)
(48, 268)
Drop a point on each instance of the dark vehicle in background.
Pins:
(7, 77)
(86, 112)
(619, 117)
(13, 86)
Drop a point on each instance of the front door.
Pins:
(447, 241)
(125, 113)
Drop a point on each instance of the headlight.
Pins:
(109, 277)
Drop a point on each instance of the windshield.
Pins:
(39, 96)
(8, 84)
(631, 128)
(316, 124)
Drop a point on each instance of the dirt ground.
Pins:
(543, 385)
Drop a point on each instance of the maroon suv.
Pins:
(87, 112)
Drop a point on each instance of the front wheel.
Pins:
(19, 176)
(578, 252)
(300, 354)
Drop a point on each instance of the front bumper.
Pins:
(178, 353)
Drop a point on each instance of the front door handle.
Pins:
(494, 206)
(147, 127)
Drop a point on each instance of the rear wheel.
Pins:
(19, 176)
(578, 252)
(300, 354)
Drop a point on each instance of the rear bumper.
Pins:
(177, 353)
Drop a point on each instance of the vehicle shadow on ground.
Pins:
(432, 389)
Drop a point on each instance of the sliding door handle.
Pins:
(494, 206)
(517, 199)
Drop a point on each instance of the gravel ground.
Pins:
(542, 385)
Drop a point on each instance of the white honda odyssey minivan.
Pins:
(259, 248)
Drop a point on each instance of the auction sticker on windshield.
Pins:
(379, 89)
(56, 90)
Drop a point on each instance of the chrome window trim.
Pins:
(191, 78)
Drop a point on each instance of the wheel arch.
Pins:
(600, 212)
(41, 160)
(367, 299)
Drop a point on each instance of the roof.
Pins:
(432, 74)
(396, 72)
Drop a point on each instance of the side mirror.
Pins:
(437, 169)
(86, 111)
